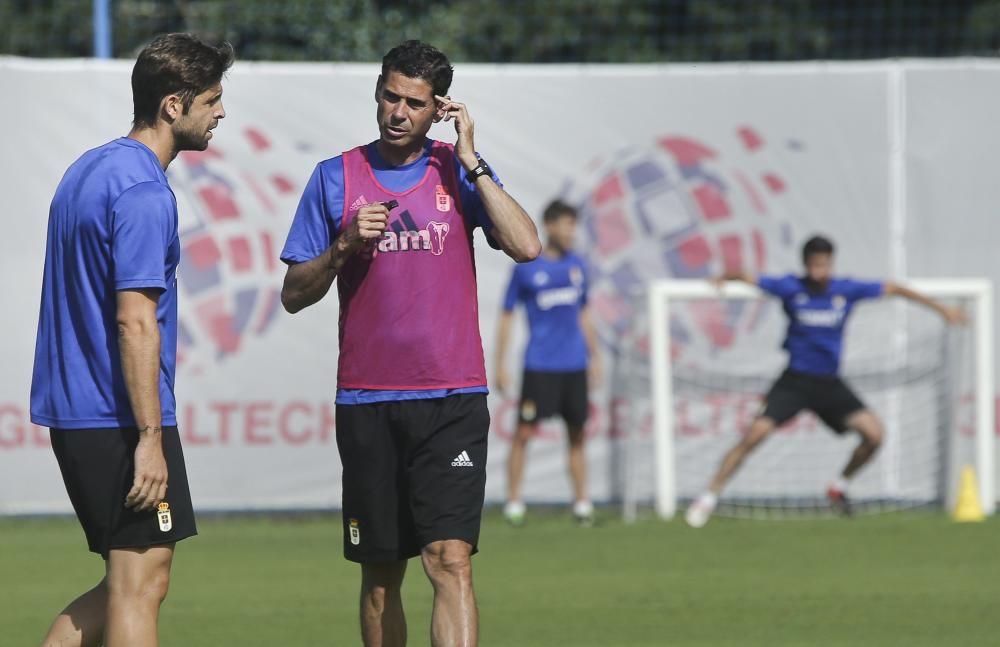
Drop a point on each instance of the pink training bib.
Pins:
(409, 314)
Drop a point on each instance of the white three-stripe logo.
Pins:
(462, 460)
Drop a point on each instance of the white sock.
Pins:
(514, 508)
(709, 500)
(583, 508)
(839, 484)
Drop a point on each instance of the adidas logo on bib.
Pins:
(462, 460)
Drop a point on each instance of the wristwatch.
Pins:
(481, 169)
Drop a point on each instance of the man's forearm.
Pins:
(513, 228)
(139, 347)
(916, 297)
(503, 337)
(308, 282)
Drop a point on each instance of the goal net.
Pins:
(698, 362)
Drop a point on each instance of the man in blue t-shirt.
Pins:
(561, 347)
(105, 352)
(817, 306)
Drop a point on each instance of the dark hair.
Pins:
(418, 60)
(816, 245)
(557, 209)
(180, 64)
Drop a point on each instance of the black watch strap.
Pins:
(481, 169)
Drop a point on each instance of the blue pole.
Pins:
(102, 28)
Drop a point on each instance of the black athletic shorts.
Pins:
(547, 394)
(828, 397)
(414, 473)
(98, 469)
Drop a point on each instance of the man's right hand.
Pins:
(149, 486)
(366, 227)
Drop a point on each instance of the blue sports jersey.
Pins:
(112, 226)
(816, 320)
(317, 224)
(553, 291)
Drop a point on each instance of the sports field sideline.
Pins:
(907, 579)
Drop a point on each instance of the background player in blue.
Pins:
(561, 347)
(817, 306)
(107, 338)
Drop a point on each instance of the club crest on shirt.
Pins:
(441, 199)
(540, 278)
(576, 276)
(839, 302)
(163, 517)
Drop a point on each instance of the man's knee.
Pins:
(524, 433)
(158, 586)
(575, 435)
(869, 427)
(139, 574)
(151, 587)
(874, 435)
(449, 559)
(382, 578)
(759, 430)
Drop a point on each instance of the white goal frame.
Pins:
(662, 292)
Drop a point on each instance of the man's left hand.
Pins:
(955, 316)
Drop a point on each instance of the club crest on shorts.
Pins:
(441, 199)
(528, 410)
(354, 527)
(163, 517)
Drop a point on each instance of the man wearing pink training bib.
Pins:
(392, 221)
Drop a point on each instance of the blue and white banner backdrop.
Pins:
(679, 171)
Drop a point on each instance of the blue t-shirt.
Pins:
(553, 291)
(816, 320)
(317, 224)
(112, 226)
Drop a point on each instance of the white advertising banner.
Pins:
(678, 170)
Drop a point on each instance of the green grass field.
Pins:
(913, 580)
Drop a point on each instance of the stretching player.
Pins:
(817, 306)
(392, 222)
(553, 289)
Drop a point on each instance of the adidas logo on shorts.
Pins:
(462, 460)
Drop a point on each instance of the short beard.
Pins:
(190, 141)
